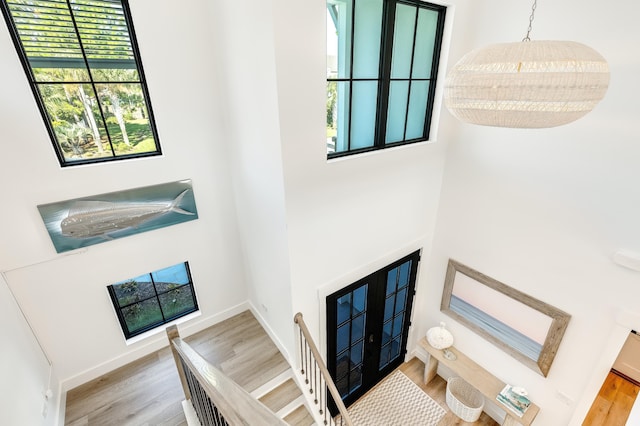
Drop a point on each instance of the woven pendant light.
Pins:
(528, 84)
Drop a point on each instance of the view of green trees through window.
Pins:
(81, 60)
(153, 299)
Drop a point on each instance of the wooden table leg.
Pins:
(509, 420)
(430, 369)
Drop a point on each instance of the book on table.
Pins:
(517, 402)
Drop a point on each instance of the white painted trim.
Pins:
(354, 275)
(626, 320)
(274, 337)
(272, 384)
(152, 344)
(190, 414)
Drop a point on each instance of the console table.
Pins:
(485, 382)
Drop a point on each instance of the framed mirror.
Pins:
(523, 326)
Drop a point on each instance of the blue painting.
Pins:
(92, 220)
(512, 337)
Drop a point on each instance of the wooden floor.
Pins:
(148, 391)
(436, 389)
(613, 403)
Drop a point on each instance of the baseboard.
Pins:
(155, 343)
(274, 337)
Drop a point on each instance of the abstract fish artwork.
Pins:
(92, 220)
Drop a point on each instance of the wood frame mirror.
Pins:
(523, 326)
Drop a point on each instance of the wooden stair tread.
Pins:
(299, 417)
(280, 396)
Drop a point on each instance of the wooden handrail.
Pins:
(320, 365)
(235, 404)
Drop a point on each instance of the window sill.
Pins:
(161, 328)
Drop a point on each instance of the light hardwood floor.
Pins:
(148, 391)
(436, 389)
(613, 403)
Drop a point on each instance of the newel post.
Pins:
(172, 333)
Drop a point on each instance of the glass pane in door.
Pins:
(395, 306)
(351, 312)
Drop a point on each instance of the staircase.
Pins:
(240, 348)
(282, 396)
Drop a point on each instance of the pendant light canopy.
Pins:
(528, 84)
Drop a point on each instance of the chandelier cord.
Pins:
(533, 11)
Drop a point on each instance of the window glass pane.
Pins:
(425, 43)
(126, 115)
(417, 109)
(357, 328)
(46, 75)
(342, 337)
(104, 34)
(74, 114)
(339, 38)
(384, 356)
(356, 353)
(177, 302)
(403, 41)
(397, 111)
(365, 95)
(133, 290)
(401, 301)
(337, 116)
(395, 349)
(360, 299)
(388, 307)
(397, 325)
(355, 379)
(343, 366)
(386, 332)
(392, 278)
(343, 306)
(343, 386)
(366, 43)
(405, 269)
(142, 315)
(176, 274)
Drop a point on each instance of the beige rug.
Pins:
(396, 401)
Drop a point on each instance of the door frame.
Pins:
(377, 288)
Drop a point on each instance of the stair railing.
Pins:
(216, 398)
(318, 379)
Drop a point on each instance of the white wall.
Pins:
(246, 34)
(25, 370)
(64, 296)
(350, 216)
(545, 210)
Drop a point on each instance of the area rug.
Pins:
(396, 401)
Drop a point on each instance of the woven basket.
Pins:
(464, 400)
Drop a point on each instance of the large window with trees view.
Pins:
(153, 299)
(81, 59)
(382, 63)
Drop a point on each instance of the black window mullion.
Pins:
(386, 55)
(155, 290)
(90, 72)
(353, 31)
(143, 81)
(434, 71)
(413, 55)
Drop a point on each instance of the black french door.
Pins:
(367, 326)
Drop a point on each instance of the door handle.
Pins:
(371, 338)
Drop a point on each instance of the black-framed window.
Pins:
(382, 63)
(150, 300)
(82, 62)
